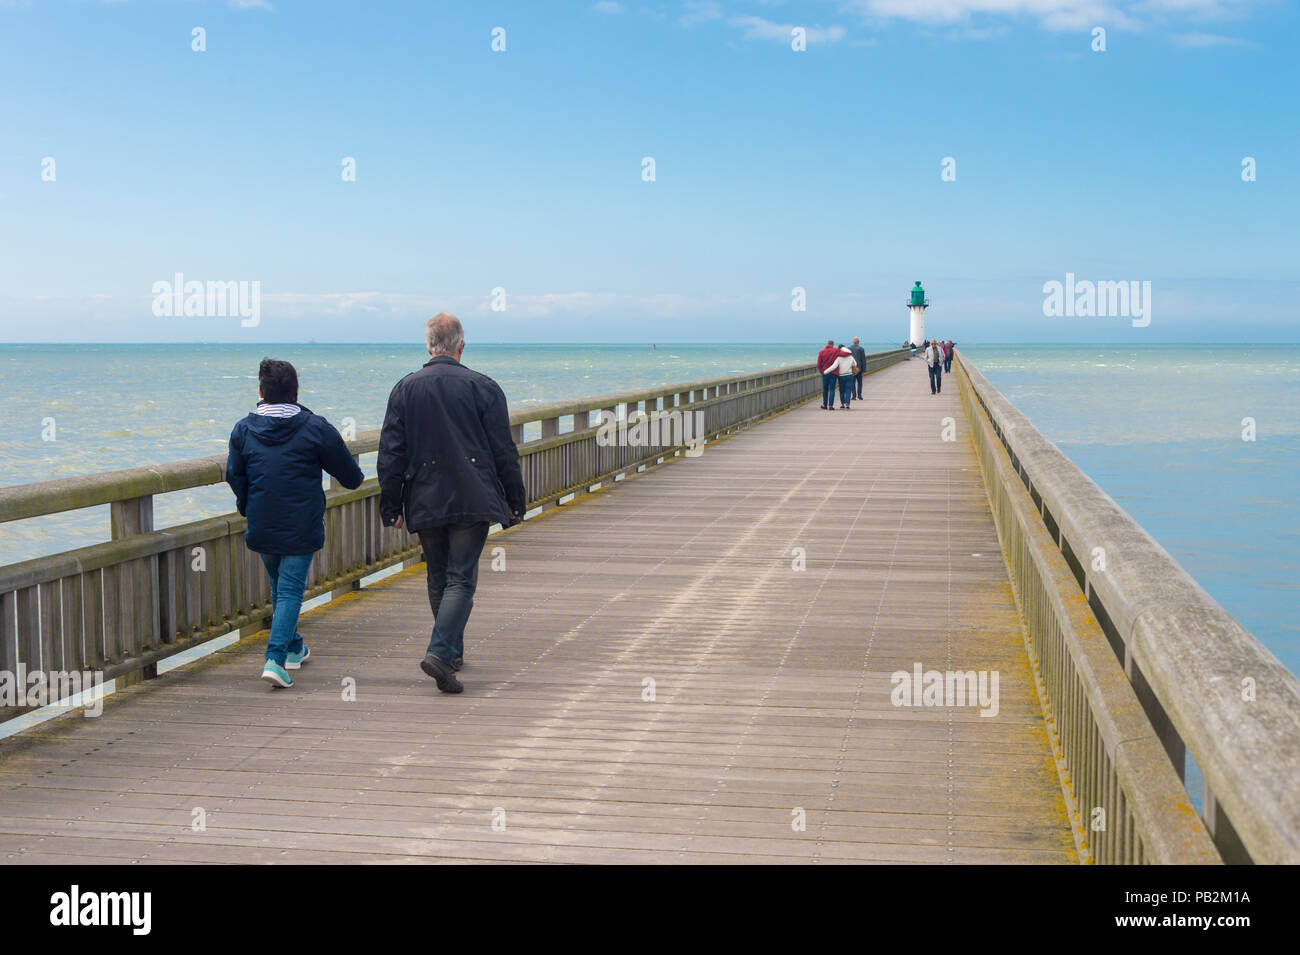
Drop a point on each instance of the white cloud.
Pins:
(1053, 14)
(251, 4)
(698, 11)
(758, 28)
(1202, 8)
(1206, 40)
(607, 6)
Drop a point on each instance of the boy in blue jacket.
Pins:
(276, 457)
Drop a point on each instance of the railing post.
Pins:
(140, 615)
(131, 517)
(351, 538)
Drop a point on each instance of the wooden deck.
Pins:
(771, 687)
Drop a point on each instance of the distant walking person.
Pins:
(859, 356)
(448, 468)
(947, 356)
(845, 368)
(830, 381)
(934, 362)
(276, 458)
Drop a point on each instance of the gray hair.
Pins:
(443, 334)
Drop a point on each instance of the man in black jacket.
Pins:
(276, 457)
(859, 359)
(448, 468)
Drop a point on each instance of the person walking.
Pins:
(825, 359)
(934, 362)
(448, 469)
(860, 357)
(274, 467)
(844, 369)
(947, 357)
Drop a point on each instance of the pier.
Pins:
(687, 654)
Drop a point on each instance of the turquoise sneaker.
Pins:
(276, 675)
(295, 661)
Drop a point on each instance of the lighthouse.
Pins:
(916, 308)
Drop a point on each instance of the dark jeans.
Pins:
(947, 364)
(857, 382)
(846, 389)
(936, 378)
(288, 580)
(828, 390)
(451, 556)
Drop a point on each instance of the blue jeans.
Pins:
(288, 580)
(846, 389)
(451, 556)
(936, 378)
(857, 385)
(828, 390)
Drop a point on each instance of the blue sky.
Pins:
(774, 168)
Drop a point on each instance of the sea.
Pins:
(1199, 443)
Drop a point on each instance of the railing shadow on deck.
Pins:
(1139, 664)
(121, 607)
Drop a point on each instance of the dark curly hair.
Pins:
(279, 381)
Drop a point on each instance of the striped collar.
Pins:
(276, 411)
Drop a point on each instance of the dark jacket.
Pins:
(446, 455)
(826, 357)
(275, 467)
(859, 356)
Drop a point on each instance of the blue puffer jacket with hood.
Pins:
(275, 467)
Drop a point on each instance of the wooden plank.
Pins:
(8, 633)
(145, 635)
(71, 652)
(50, 600)
(188, 589)
(212, 603)
(171, 577)
(92, 616)
(29, 628)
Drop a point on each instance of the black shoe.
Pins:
(442, 674)
(457, 663)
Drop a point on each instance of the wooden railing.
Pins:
(1140, 666)
(120, 607)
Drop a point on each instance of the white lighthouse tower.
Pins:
(916, 308)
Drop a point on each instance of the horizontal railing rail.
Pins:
(1194, 680)
(121, 606)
